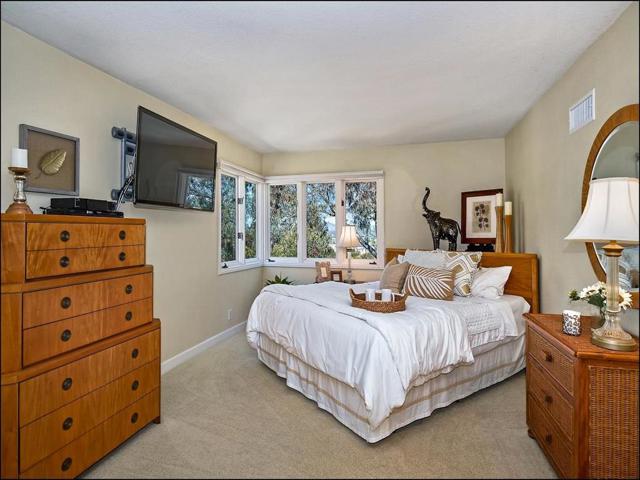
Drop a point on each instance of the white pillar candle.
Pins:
(508, 208)
(19, 158)
(499, 198)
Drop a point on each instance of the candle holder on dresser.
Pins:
(508, 229)
(19, 204)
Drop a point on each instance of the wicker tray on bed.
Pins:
(396, 305)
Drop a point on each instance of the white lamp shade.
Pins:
(611, 212)
(348, 237)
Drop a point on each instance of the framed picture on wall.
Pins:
(478, 216)
(54, 160)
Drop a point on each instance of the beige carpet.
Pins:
(224, 414)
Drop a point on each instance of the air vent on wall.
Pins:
(583, 112)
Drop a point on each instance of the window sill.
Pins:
(239, 268)
(312, 265)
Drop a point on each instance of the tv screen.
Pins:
(175, 166)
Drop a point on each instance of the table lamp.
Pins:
(348, 240)
(610, 215)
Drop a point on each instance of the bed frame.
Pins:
(523, 280)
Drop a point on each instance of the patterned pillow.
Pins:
(393, 276)
(463, 265)
(429, 283)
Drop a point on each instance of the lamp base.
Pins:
(611, 336)
(19, 208)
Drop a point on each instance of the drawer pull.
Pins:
(547, 357)
(135, 385)
(134, 417)
(68, 422)
(65, 302)
(65, 236)
(64, 262)
(122, 235)
(548, 438)
(122, 256)
(66, 384)
(548, 399)
(65, 336)
(128, 289)
(66, 464)
(128, 316)
(134, 353)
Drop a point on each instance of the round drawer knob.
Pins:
(66, 384)
(68, 422)
(135, 385)
(64, 262)
(128, 316)
(134, 353)
(134, 417)
(122, 235)
(65, 302)
(65, 336)
(548, 398)
(128, 289)
(548, 357)
(65, 236)
(66, 464)
(548, 438)
(122, 256)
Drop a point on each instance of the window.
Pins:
(306, 214)
(361, 211)
(229, 218)
(321, 220)
(283, 213)
(240, 218)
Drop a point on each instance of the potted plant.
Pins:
(279, 280)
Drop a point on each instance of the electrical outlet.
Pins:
(229, 312)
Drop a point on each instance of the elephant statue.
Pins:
(441, 228)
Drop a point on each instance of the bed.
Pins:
(376, 372)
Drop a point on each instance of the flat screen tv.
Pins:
(175, 166)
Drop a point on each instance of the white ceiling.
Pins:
(308, 76)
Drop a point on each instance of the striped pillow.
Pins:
(429, 283)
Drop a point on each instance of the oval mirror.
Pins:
(615, 153)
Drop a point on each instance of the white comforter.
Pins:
(381, 356)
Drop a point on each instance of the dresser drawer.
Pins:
(49, 391)
(550, 398)
(72, 459)
(47, 434)
(50, 263)
(556, 363)
(550, 438)
(52, 339)
(45, 306)
(54, 236)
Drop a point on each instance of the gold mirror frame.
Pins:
(624, 115)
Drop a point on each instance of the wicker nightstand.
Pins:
(582, 401)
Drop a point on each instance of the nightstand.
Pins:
(582, 401)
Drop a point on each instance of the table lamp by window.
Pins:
(610, 215)
(349, 240)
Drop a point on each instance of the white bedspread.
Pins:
(381, 356)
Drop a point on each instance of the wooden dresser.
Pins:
(582, 401)
(80, 358)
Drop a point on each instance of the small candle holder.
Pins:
(499, 230)
(19, 204)
(508, 234)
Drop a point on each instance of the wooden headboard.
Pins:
(523, 280)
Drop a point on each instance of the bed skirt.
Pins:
(347, 406)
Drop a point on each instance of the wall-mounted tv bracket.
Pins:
(127, 164)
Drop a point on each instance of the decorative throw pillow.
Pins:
(464, 266)
(429, 283)
(490, 282)
(424, 258)
(394, 275)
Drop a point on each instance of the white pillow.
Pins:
(490, 282)
(422, 258)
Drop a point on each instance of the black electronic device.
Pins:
(81, 212)
(78, 203)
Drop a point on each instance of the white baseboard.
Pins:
(189, 353)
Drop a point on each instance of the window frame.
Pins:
(339, 179)
(242, 176)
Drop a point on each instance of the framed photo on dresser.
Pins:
(478, 216)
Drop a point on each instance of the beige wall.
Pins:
(545, 164)
(45, 87)
(447, 168)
